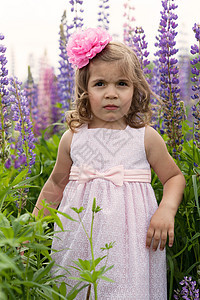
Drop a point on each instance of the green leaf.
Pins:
(28, 180)
(84, 264)
(56, 218)
(97, 260)
(87, 276)
(63, 289)
(74, 291)
(19, 177)
(3, 296)
(32, 284)
(181, 251)
(9, 241)
(76, 278)
(8, 263)
(78, 211)
(108, 246)
(194, 181)
(104, 269)
(39, 274)
(66, 215)
(23, 219)
(4, 221)
(8, 232)
(197, 235)
(192, 267)
(55, 288)
(105, 278)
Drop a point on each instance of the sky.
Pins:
(31, 27)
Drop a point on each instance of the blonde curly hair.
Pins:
(139, 113)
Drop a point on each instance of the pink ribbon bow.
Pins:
(114, 174)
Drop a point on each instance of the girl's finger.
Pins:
(163, 239)
(149, 237)
(156, 240)
(171, 237)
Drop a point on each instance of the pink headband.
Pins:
(83, 45)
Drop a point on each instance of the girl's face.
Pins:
(110, 95)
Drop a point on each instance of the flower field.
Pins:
(32, 120)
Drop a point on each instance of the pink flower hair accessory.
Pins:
(83, 45)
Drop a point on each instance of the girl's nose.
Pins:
(111, 92)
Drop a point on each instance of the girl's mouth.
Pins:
(110, 107)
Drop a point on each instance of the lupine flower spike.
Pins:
(66, 75)
(5, 122)
(173, 109)
(76, 8)
(195, 50)
(140, 47)
(188, 290)
(103, 14)
(24, 141)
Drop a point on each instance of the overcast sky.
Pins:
(31, 26)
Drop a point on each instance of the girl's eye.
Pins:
(122, 83)
(99, 83)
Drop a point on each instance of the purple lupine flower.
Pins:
(66, 75)
(156, 107)
(173, 110)
(103, 14)
(128, 24)
(5, 122)
(188, 290)
(195, 50)
(8, 163)
(140, 47)
(24, 143)
(77, 10)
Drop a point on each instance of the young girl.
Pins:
(107, 153)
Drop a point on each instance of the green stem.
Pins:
(190, 230)
(92, 252)
(91, 242)
(20, 203)
(83, 227)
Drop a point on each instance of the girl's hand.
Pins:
(161, 226)
(173, 181)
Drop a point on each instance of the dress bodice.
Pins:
(104, 148)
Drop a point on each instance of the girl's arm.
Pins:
(52, 191)
(162, 222)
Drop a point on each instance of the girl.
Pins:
(107, 153)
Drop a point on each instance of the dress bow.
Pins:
(114, 174)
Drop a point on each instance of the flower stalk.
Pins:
(103, 14)
(195, 50)
(5, 123)
(173, 109)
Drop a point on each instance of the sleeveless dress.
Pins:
(98, 156)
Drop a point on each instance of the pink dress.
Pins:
(127, 208)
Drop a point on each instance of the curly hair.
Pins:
(139, 113)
